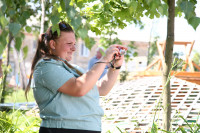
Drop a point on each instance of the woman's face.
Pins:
(65, 45)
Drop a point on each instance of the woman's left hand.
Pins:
(118, 57)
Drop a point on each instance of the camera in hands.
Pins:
(122, 51)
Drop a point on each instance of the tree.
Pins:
(13, 16)
(167, 66)
(42, 17)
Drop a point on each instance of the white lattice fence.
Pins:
(133, 105)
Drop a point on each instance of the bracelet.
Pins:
(114, 67)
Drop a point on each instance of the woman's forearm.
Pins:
(89, 79)
(83, 84)
(108, 81)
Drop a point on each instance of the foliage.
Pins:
(131, 52)
(152, 50)
(192, 128)
(13, 17)
(121, 130)
(123, 76)
(17, 122)
(154, 128)
(178, 62)
(5, 70)
(98, 16)
(196, 58)
(107, 41)
(188, 8)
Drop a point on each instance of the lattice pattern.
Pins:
(133, 104)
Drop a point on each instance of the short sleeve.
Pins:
(54, 76)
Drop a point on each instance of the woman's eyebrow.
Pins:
(70, 42)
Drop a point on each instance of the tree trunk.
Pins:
(20, 68)
(1, 73)
(42, 17)
(3, 94)
(167, 66)
(22, 71)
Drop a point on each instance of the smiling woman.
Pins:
(67, 98)
(65, 45)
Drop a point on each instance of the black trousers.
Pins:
(61, 130)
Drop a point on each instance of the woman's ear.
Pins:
(52, 44)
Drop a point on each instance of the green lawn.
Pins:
(18, 96)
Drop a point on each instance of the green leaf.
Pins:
(55, 19)
(3, 21)
(96, 30)
(103, 1)
(119, 129)
(89, 42)
(56, 28)
(71, 12)
(76, 22)
(195, 22)
(14, 28)
(127, 1)
(28, 29)
(18, 43)
(187, 8)
(3, 37)
(3, 8)
(1, 48)
(186, 123)
(3, 40)
(135, 54)
(63, 4)
(182, 130)
(83, 33)
(133, 6)
(67, 6)
(164, 9)
(26, 14)
(25, 51)
(154, 128)
(11, 12)
(106, 7)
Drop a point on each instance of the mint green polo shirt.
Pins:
(59, 110)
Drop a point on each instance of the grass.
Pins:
(18, 96)
(17, 121)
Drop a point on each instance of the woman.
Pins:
(68, 99)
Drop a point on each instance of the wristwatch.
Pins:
(114, 67)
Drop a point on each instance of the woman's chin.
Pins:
(69, 58)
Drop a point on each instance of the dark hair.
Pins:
(43, 48)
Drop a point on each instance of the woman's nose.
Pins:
(73, 47)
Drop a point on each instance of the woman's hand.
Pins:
(114, 52)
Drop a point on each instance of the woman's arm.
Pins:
(83, 84)
(108, 81)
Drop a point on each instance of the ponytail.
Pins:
(38, 55)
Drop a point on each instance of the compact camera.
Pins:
(122, 51)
